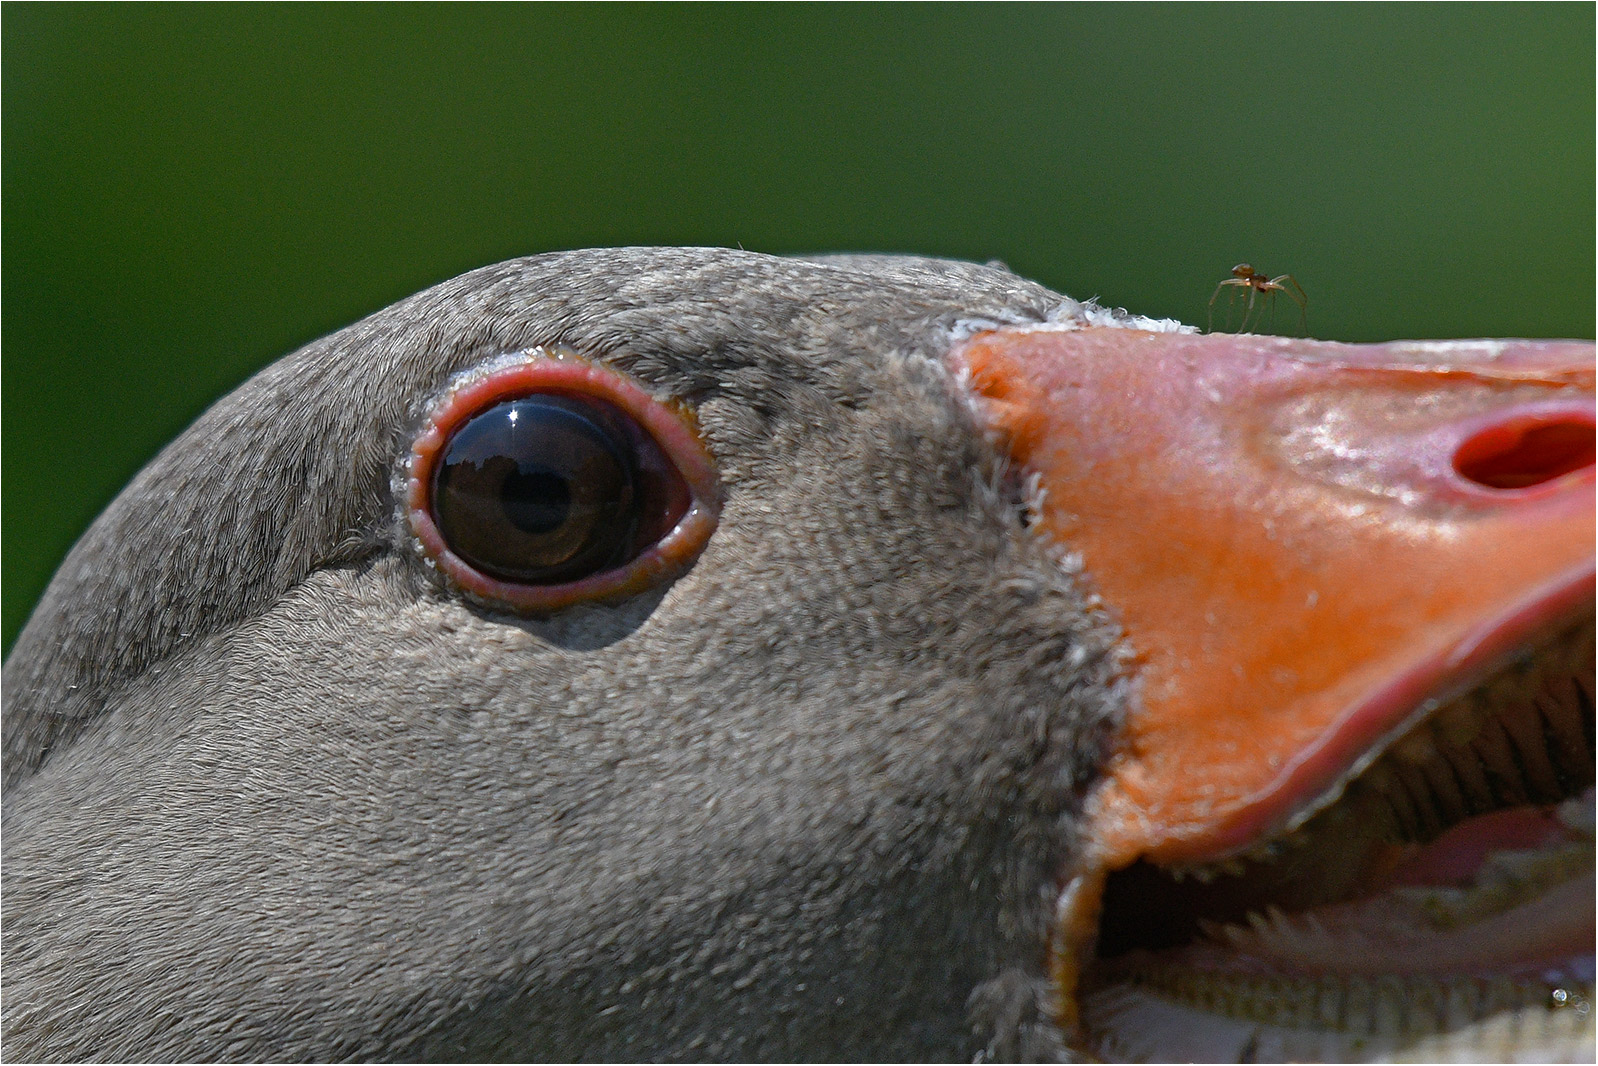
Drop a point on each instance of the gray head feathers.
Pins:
(274, 791)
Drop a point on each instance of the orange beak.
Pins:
(1307, 544)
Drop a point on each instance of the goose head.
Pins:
(689, 653)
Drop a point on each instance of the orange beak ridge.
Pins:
(1304, 543)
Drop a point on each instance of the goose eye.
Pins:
(541, 489)
(555, 481)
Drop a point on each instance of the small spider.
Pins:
(1257, 284)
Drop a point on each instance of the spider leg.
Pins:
(1231, 304)
(1298, 296)
(1209, 326)
(1268, 291)
(1249, 309)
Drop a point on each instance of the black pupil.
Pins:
(541, 489)
(536, 501)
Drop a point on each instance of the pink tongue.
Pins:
(1456, 855)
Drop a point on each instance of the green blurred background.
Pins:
(191, 191)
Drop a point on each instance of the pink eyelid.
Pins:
(671, 426)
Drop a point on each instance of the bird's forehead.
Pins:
(692, 319)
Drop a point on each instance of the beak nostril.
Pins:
(1527, 452)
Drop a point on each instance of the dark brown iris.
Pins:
(542, 489)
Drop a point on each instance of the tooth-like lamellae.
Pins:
(1524, 737)
(1181, 1014)
(1530, 738)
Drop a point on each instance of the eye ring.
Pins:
(562, 373)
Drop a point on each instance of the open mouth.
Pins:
(1438, 906)
(1348, 814)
